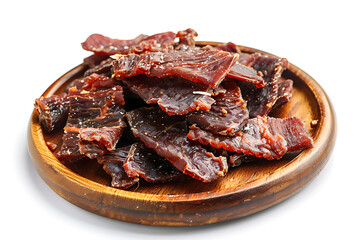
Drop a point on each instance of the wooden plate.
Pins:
(244, 190)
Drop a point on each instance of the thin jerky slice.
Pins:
(261, 100)
(104, 67)
(102, 45)
(146, 163)
(187, 37)
(208, 67)
(175, 96)
(229, 47)
(240, 71)
(284, 93)
(263, 137)
(227, 113)
(52, 111)
(96, 112)
(167, 136)
(244, 73)
(113, 164)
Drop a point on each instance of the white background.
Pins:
(41, 40)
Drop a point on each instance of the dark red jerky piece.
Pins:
(187, 36)
(100, 109)
(97, 141)
(155, 43)
(240, 71)
(102, 45)
(52, 111)
(263, 137)
(175, 96)
(293, 131)
(244, 73)
(94, 60)
(145, 163)
(104, 67)
(229, 47)
(227, 113)
(284, 93)
(237, 159)
(261, 100)
(208, 67)
(167, 136)
(113, 164)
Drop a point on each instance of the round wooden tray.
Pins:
(246, 189)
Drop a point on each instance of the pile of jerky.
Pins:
(160, 108)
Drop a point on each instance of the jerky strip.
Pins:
(167, 136)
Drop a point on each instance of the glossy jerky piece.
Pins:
(102, 45)
(113, 164)
(208, 67)
(244, 73)
(146, 163)
(167, 136)
(284, 93)
(175, 96)
(229, 47)
(104, 67)
(293, 131)
(261, 100)
(227, 113)
(263, 137)
(240, 71)
(93, 60)
(96, 82)
(97, 141)
(187, 36)
(101, 110)
(52, 111)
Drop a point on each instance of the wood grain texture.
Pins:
(243, 191)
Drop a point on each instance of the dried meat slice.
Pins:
(92, 116)
(208, 67)
(102, 45)
(261, 100)
(187, 37)
(240, 71)
(244, 73)
(175, 96)
(52, 111)
(263, 137)
(113, 164)
(284, 93)
(167, 136)
(227, 113)
(145, 163)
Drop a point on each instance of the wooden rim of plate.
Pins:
(195, 208)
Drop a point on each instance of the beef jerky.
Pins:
(102, 45)
(263, 137)
(97, 112)
(187, 37)
(113, 164)
(96, 82)
(261, 100)
(240, 71)
(284, 93)
(52, 111)
(229, 47)
(167, 136)
(226, 114)
(104, 67)
(145, 163)
(208, 67)
(237, 159)
(175, 96)
(94, 60)
(244, 73)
